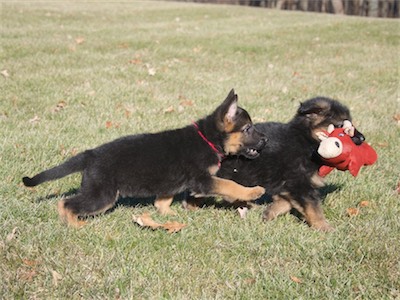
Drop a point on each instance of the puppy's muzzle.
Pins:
(254, 152)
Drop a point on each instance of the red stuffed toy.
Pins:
(337, 150)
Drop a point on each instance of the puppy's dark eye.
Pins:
(246, 128)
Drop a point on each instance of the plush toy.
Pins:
(338, 150)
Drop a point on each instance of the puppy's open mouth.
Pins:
(254, 151)
(251, 153)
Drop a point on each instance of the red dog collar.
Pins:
(212, 146)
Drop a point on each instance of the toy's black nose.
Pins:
(358, 137)
(337, 144)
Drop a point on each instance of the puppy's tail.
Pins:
(75, 164)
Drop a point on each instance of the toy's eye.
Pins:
(341, 134)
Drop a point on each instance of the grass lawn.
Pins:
(75, 75)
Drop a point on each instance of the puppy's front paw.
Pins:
(166, 211)
(255, 193)
(269, 214)
(323, 226)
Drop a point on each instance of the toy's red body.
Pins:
(352, 156)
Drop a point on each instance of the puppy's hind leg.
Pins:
(163, 203)
(279, 206)
(67, 215)
(315, 217)
(84, 205)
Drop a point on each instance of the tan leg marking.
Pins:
(163, 203)
(192, 203)
(72, 220)
(315, 217)
(279, 206)
(311, 211)
(232, 191)
(68, 217)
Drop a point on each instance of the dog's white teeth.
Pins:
(253, 151)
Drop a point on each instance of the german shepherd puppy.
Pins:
(161, 164)
(286, 167)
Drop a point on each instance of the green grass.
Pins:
(96, 58)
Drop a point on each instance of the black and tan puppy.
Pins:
(286, 167)
(161, 164)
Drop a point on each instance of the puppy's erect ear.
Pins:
(305, 109)
(231, 112)
(315, 106)
(226, 112)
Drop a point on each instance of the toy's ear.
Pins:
(321, 135)
(350, 132)
(331, 128)
(347, 124)
(348, 128)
